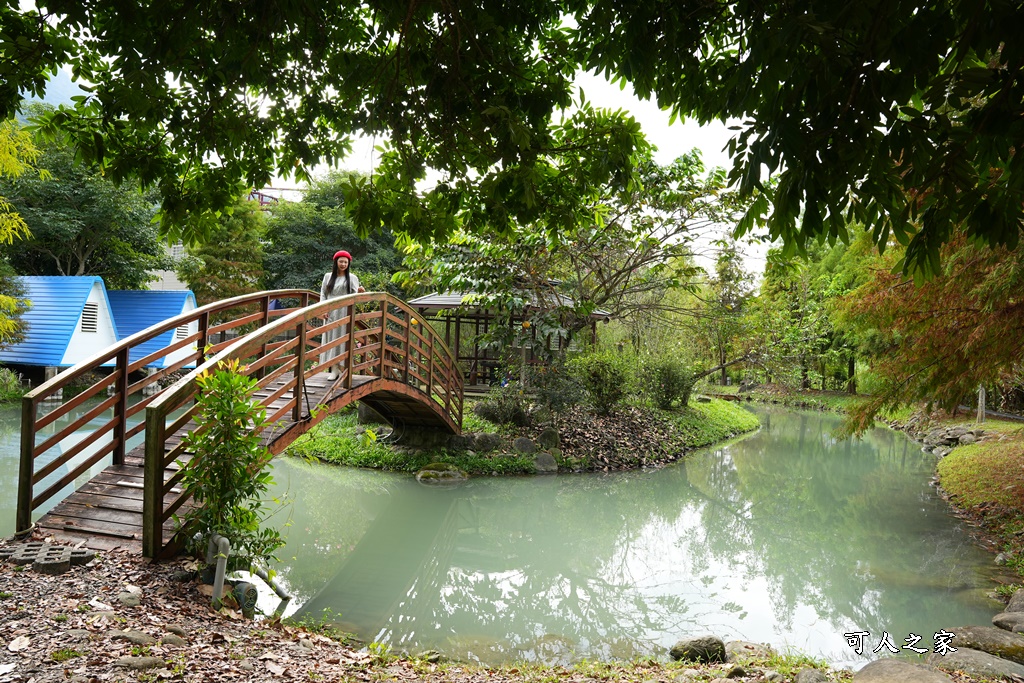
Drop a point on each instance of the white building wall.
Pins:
(86, 344)
(189, 350)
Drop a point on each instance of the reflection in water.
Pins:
(786, 537)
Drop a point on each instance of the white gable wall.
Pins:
(85, 344)
(187, 329)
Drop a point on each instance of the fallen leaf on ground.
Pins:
(18, 644)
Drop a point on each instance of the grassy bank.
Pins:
(702, 424)
(631, 437)
(985, 480)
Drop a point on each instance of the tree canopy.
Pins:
(621, 253)
(901, 115)
(303, 236)
(81, 223)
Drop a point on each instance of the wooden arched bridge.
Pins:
(388, 359)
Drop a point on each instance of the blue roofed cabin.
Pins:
(70, 320)
(138, 310)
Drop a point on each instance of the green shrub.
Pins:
(666, 380)
(555, 387)
(227, 475)
(606, 377)
(10, 385)
(506, 405)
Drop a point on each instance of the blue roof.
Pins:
(137, 310)
(57, 303)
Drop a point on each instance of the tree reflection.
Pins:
(621, 565)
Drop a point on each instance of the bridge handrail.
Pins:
(393, 328)
(118, 379)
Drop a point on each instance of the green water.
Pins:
(786, 537)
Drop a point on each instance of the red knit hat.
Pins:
(344, 253)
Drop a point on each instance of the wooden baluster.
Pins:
(204, 326)
(300, 368)
(265, 310)
(448, 382)
(121, 407)
(28, 446)
(381, 371)
(430, 366)
(153, 483)
(351, 346)
(407, 347)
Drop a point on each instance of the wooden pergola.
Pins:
(463, 326)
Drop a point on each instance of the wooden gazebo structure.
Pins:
(463, 325)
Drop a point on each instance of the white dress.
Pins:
(340, 289)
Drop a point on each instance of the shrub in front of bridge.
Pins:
(228, 473)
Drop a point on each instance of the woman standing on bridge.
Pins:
(339, 282)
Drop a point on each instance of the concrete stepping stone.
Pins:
(46, 558)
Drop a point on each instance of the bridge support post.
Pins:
(121, 407)
(28, 444)
(153, 484)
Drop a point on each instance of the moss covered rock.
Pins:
(440, 473)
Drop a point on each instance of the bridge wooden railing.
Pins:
(385, 340)
(40, 460)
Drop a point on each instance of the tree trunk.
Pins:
(805, 381)
(851, 379)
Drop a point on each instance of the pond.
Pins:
(787, 536)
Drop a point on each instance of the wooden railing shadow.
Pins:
(40, 460)
(385, 352)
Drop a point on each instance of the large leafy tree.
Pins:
(18, 153)
(82, 223)
(938, 341)
(903, 115)
(795, 318)
(231, 262)
(625, 251)
(303, 236)
(720, 320)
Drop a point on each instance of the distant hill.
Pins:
(59, 90)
